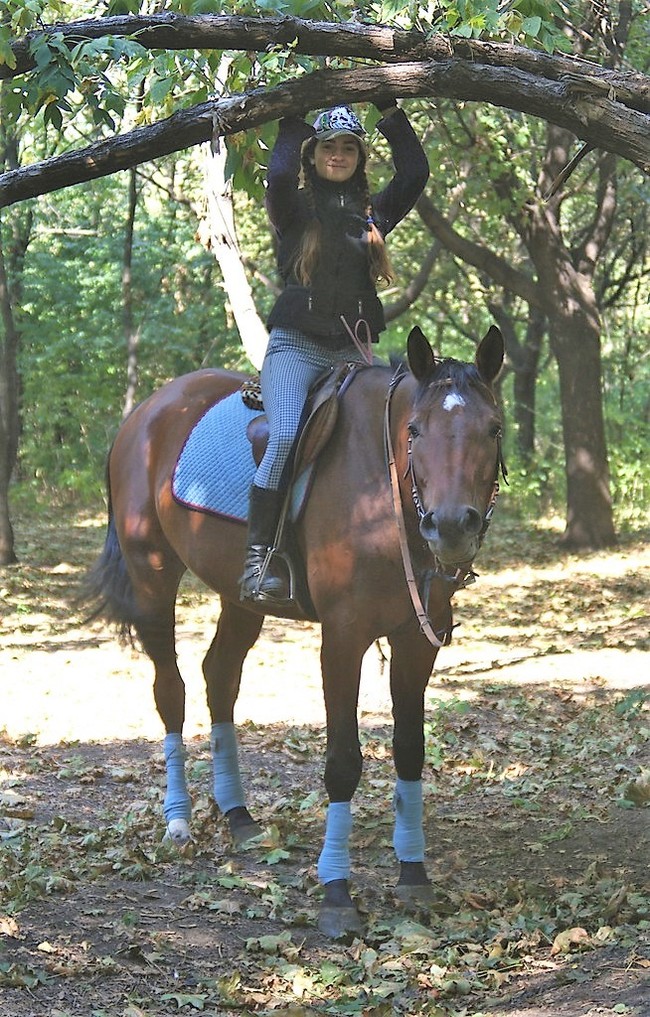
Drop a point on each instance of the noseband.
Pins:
(464, 574)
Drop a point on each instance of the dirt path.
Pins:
(537, 781)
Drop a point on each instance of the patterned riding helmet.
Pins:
(339, 120)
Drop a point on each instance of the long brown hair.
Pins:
(309, 253)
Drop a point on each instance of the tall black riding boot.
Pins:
(263, 515)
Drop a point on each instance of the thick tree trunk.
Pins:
(574, 329)
(524, 390)
(523, 358)
(589, 521)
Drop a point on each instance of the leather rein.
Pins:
(464, 575)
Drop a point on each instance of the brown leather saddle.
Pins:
(319, 419)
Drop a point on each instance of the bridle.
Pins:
(500, 470)
(464, 574)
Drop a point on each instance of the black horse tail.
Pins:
(107, 589)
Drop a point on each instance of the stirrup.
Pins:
(262, 586)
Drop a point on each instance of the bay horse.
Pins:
(400, 500)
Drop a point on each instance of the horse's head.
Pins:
(454, 447)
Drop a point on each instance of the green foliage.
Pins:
(73, 355)
(533, 23)
(71, 315)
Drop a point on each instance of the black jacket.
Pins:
(342, 284)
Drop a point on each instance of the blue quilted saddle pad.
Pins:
(215, 468)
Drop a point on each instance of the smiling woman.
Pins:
(336, 159)
(330, 234)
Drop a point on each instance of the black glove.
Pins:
(384, 103)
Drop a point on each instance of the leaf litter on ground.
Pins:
(536, 798)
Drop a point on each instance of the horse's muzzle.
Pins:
(452, 536)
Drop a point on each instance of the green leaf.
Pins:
(531, 26)
(6, 53)
(269, 944)
(160, 89)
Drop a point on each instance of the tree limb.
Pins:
(601, 122)
(499, 270)
(352, 39)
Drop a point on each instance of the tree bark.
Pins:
(523, 358)
(353, 39)
(563, 291)
(10, 266)
(131, 331)
(566, 282)
(224, 245)
(579, 107)
(8, 413)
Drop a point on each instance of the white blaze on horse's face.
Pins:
(452, 400)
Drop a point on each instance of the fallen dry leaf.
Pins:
(570, 940)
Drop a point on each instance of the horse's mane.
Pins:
(448, 373)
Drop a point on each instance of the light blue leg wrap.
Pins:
(177, 804)
(228, 790)
(334, 861)
(408, 836)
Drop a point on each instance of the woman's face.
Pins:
(337, 158)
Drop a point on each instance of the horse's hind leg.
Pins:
(237, 631)
(155, 572)
(411, 664)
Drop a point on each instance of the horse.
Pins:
(399, 502)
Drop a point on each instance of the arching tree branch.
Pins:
(352, 39)
(597, 120)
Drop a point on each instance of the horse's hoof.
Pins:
(245, 832)
(414, 886)
(339, 923)
(178, 833)
(338, 917)
(248, 836)
(419, 896)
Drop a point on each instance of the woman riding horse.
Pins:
(330, 241)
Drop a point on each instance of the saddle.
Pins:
(317, 424)
(315, 430)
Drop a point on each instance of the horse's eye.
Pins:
(413, 430)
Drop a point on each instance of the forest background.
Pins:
(111, 287)
(116, 274)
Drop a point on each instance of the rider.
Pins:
(331, 255)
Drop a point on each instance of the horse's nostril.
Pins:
(429, 526)
(465, 521)
(471, 520)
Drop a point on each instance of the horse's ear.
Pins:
(419, 353)
(489, 355)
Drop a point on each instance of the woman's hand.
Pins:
(385, 104)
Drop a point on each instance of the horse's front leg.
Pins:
(411, 665)
(341, 657)
(237, 631)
